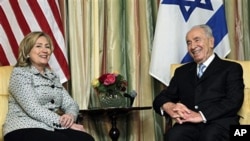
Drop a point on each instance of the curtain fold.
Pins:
(238, 15)
(246, 29)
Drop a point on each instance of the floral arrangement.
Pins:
(110, 83)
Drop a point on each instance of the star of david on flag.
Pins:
(175, 18)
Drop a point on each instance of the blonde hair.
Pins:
(27, 44)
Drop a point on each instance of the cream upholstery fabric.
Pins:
(5, 72)
(245, 109)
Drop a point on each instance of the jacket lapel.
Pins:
(193, 74)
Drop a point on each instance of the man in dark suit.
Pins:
(203, 107)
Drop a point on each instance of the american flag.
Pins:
(20, 17)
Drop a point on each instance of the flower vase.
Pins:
(112, 100)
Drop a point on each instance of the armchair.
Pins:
(5, 72)
(245, 109)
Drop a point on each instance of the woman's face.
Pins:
(40, 53)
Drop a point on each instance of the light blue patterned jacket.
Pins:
(34, 98)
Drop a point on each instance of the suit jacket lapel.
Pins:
(193, 74)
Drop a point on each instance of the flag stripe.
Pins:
(9, 33)
(56, 13)
(41, 19)
(8, 56)
(56, 29)
(20, 17)
(21, 20)
(218, 24)
(3, 57)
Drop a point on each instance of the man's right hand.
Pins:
(176, 111)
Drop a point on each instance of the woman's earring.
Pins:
(28, 56)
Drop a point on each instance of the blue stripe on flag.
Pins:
(218, 24)
(187, 58)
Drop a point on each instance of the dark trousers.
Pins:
(197, 132)
(37, 134)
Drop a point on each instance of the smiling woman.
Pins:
(39, 54)
(35, 45)
(36, 95)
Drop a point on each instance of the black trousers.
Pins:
(197, 132)
(37, 134)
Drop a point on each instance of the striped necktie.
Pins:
(201, 69)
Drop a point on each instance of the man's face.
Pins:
(199, 45)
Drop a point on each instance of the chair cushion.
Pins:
(5, 72)
(245, 109)
(3, 112)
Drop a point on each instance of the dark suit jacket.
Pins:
(218, 94)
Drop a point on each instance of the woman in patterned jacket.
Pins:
(40, 109)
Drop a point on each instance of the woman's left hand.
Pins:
(66, 120)
(78, 127)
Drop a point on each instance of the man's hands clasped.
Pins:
(181, 114)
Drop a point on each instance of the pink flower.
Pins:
(110, 79)
(110, 83)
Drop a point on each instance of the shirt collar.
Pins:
(209, 60)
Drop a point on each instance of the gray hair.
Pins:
(206, 28)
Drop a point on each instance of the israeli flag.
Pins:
(175, 19)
